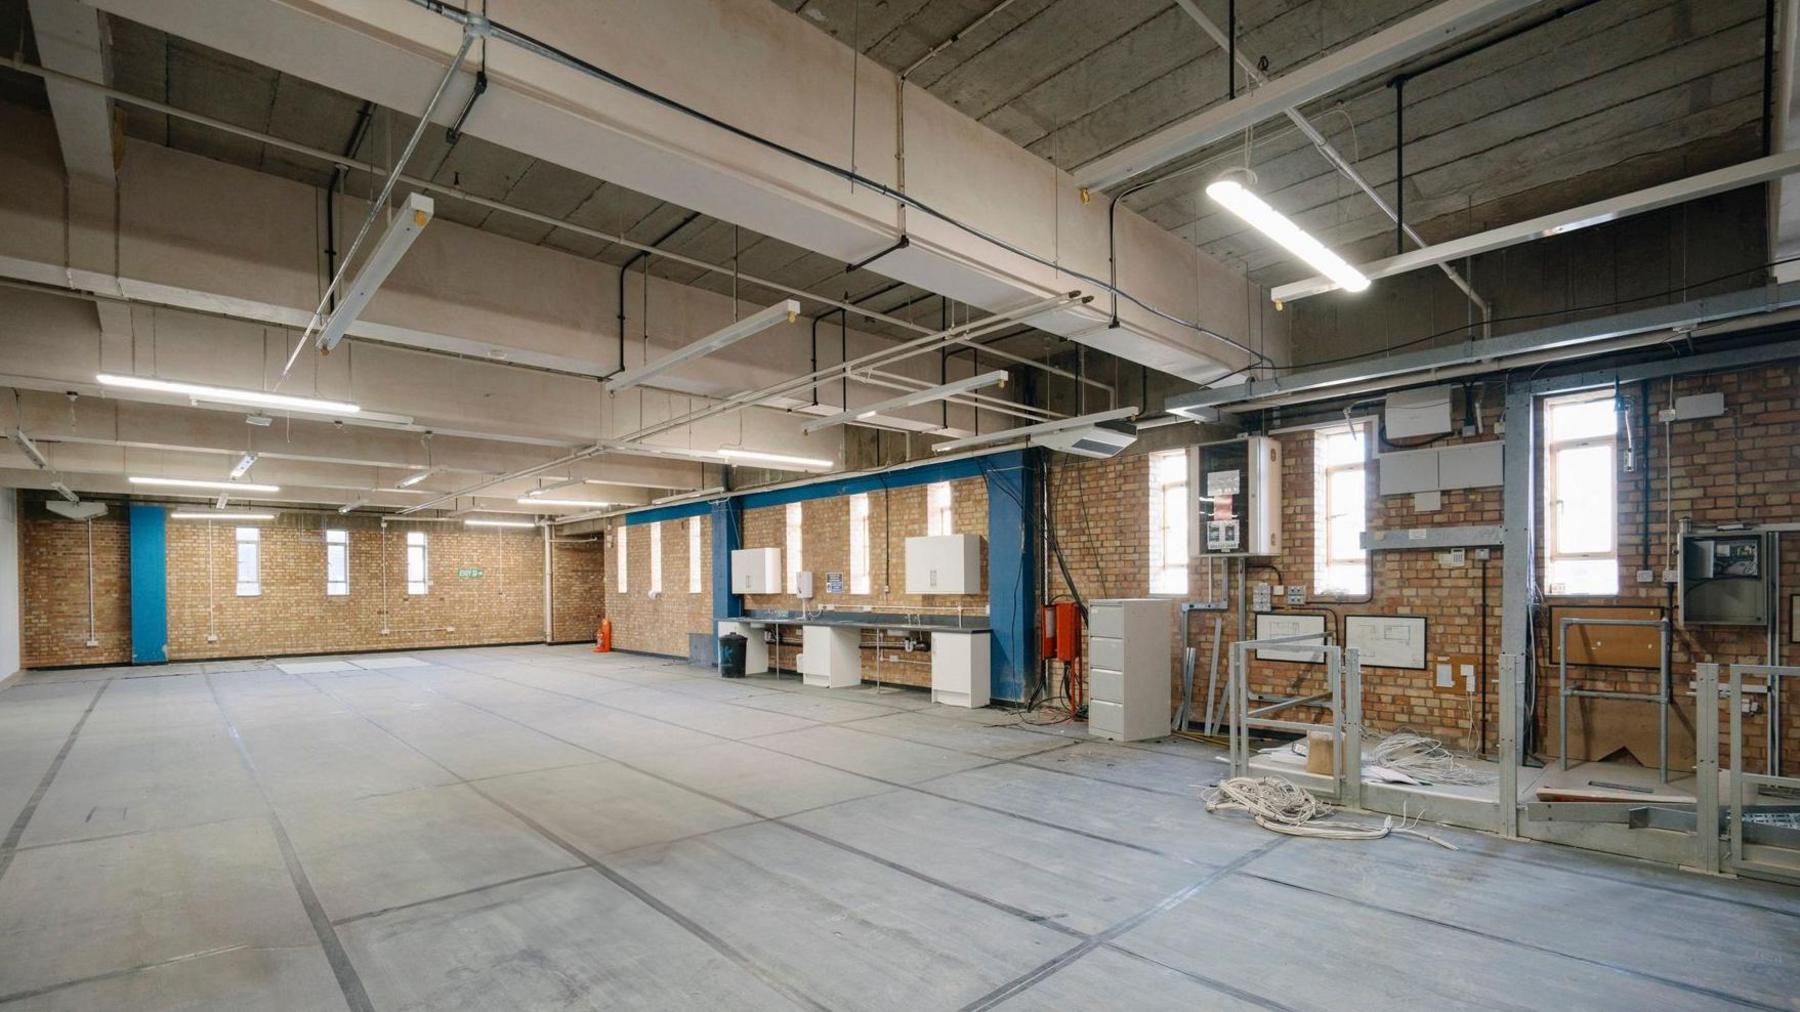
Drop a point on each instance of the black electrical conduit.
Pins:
(544, 49)
(626, 267)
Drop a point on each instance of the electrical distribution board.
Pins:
(1235, 489)
(1723, 579)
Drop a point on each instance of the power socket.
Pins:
(1646, 576)
(212, 637)
(1296, 594)
(93, 642)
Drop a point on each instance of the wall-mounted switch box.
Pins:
(1296, 594)
(1646, 576)
(1260, 598)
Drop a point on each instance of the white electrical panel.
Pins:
(946, 564)
(803, 584)
(1409, 413)
(1235, 490)
(756, 571)
(1261, 598)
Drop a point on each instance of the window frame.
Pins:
(1157, 519)
(422, 584)
(1553, 447)
(656, 558)
(254, 544)
(622, 548)
(338, 539)
(794, 520)
(861, 573)
(1326, 554)
(694, 557)
(940, 509)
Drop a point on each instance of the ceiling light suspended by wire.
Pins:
(1233, 191)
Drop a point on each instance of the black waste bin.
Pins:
(731, 655)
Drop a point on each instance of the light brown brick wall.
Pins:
(577, 588)
(293, 614)
(659, 625)
(53, 577)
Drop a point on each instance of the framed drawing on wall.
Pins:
(1387, 641)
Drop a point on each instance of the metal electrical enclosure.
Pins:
(1724, 578)
(1235, 490)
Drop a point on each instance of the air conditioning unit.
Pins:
(1101, 439)
(76, 510)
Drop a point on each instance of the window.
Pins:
(1580, 496)
(1340, 510)
(656, 558)
(939, 515)
(418, 568)
(337, 563)
(249, 562)
(1168, 523)
(859, 543)
(621, 551)
(795, 531)
(693, 555)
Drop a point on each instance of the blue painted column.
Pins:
(1012, 485)
(727, 537)
(149, 585)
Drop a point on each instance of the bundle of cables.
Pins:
(1280, 806)
(1427, 760)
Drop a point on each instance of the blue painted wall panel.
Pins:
(149, 585)
(1012, 487)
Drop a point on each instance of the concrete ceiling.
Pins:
(1603, 98)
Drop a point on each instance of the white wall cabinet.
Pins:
(756, 571)
(960, 668)
(1130, 646)
(946, 564)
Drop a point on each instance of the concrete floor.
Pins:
(535, 827)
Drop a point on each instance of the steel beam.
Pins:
(1413, 37)
(1750, 173)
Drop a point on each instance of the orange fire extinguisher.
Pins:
(603, 636)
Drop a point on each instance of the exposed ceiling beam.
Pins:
(69, 39)
(1410, 38)
(1758, 170)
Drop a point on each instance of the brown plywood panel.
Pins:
(1609, 646)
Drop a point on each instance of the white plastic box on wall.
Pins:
(756, 571)
(946, 564)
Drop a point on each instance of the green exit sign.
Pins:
(469, 572)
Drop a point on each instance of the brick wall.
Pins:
(53, 598)
(661, 624)
(577, 588)
(293, 614)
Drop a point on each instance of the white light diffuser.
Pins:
(498, 523)
(1236, 198)
(784, 311)
(65, 491)
(228, 395)
(29, 448)
(540, 501)
(243, 466)
(353, 504)
(227, 486)
(413, 479)
(414, 214)
(937, 393)
(216, 515)
(781, 459)
(1026, 431)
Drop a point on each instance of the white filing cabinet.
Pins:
(1129, 650)
(959, 668)
(945, 564)
(756, 652)
(831, 655)
(756, 571)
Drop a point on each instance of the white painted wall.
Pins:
(9, 581)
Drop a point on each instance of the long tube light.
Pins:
(65, 491)
(418, 476)
(498, 523)
(216, 515)
(785, 311)
(414, 214)
(1007, 435)
(243, 466)
(760, 457)
(227, 486)
(539, 501)
(229, 395)
(910, 400)
(1231, 192)
(29, 448)
(352, 505)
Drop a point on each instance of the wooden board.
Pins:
(1608, 646)
(1600, 727)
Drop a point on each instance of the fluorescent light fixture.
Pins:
(243, 466)
(782, 312)
(65, 491)
(1026, 431)
(540, 501)
(29, 448)
(228, 395)
(353, 504)
(223, 498)
(227, 486)
(418, 476)
(415, 213)
(695, 494)
(498, 523)
(789, 460)
(1237, 198)
(912, 400)
(216, 515)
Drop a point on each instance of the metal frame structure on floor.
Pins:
(1737, 857)
(1660, 697)
(1343, 683)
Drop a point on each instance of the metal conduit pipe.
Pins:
(625, 268)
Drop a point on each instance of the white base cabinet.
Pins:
(1130, 643)
(831, 656)
(960, 668)
(756, 651)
